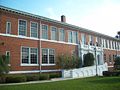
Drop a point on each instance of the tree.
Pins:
(89, 59)
(68, 62)
(117, 63)
(4, 69)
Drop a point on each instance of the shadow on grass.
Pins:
(106, 80)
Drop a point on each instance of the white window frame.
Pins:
(60, 36)
(26, 27)
(30, 29)
(29, 62)
(7, 27)
(56, 33)
(48, 64)
(47, 31)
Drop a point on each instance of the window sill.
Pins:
(29, 65)
(48, 64)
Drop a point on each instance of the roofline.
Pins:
(55, 21)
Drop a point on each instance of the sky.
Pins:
(102, 16)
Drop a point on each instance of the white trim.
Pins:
(58, 42)
(48, 64)
(7, 27)
(26, 26)
(30, 28)
(29, 64)
(16, 36)
(33, 71)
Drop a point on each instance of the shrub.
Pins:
(68, 62)
(88, 59)
(32, 77)
(44, 77)
(55, 75)
(111, 73)
(107, 73)
(15, 78)
(117, 63)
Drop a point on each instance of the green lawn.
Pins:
(94, 83)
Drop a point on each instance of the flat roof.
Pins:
(4, 8)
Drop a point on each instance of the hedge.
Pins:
(15, 78)
(44, 77)
(55, 75)
(32, 77)
(111, 73)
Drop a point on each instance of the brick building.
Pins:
(33, 42)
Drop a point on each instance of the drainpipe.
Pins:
(39, 46)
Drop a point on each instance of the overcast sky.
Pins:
(98, 15)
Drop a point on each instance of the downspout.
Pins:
(39, 47)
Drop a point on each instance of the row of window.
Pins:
(100, 42)
(72, 35)
(111, 58)
(30, 56)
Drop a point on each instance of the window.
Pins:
(33, 55)
(75, 35)
(8, 56)
(110, 59)
(105, 58)
(45, 31)
(29, 55)
(34, 29)
(91, 39)
(48, 56)
(62, 35)
(22, 27)
(51, 56)
(72, 36)
(83, 36)
(53, 33)
(25, 55)
(106, 44)
(8, 27)
(44, 56)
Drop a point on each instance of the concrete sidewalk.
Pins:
(34, 82)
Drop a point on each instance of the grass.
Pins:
(94, 83)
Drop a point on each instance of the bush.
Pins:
(111, 73)
(107, 73)
(15, 78)
(88, 59)
(44, 77)
(117, 63)
(68, 62)
(55, 75)
(32, 77)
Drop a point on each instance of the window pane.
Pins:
(44, 31)
(8, 27)
(33, 55)
(22, 27)
(62, 35)
(44, 56)
(74, 37)
(25, 55)
(70, 36)
(34, 29)
(53, 33)
(51, 56)
(83, 38)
